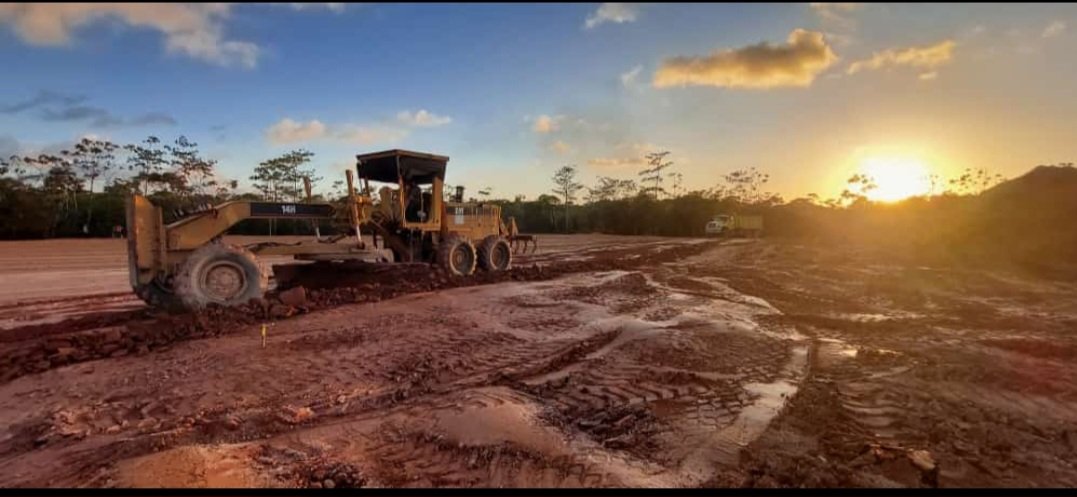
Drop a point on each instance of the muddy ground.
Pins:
(599, 361)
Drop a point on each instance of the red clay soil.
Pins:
(653, 364)
(37, 348)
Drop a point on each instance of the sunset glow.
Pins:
(896, 178)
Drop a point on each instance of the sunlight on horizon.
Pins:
(896, 178)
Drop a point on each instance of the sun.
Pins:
(896, 178)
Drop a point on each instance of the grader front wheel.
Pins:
(227, 275)
(159, 294)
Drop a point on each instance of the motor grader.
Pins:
(186, 264)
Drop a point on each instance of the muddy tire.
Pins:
(159, 296)
(457, 255)
(495, 254)
(220, 274)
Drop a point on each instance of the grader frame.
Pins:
(185, 264)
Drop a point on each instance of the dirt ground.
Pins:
(598, 361)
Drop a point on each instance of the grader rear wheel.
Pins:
(227, 275)
(495, 254)
(456, 255)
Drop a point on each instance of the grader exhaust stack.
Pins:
(187, 265)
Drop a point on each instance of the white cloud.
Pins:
(793, 64)
(369, 135)
(1054, 29)
(616, 163)
(561, 147)
(628, 79)
(422, 119)
(194, 30)
(835, 6)
(288, 130)
(546, 124)
(616, 13)
(838, 15)
(626, 156)
(927, 58)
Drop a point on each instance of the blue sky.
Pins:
(512, 92)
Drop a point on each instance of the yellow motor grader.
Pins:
(187, 265)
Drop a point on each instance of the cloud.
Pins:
(626, 156)
(613, 164)
(1054, 29)
(369, 135)
(288, 131)
(545, 124)
(42, 98)
(191, 29)
(794, 64)
(58, 107)
(928, 76)
(927, 58)
(832, 11)
(97, 116)
(837, 17)
(422, 119)
(628, 79)
(616, 13)
(561, 147)
(334, 7)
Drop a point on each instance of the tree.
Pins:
(188, 164)
(746, 185)
(974, 181)
(337, 189)
(92, 159)
(566, 186)
(678, 179)
(146, 160)
(653, 174)
(857, 189)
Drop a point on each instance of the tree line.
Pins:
(646, 207)
(81, 190)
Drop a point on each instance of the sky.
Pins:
(808, 93)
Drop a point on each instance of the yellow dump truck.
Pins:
(735, 225)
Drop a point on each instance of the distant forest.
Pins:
(977, 217)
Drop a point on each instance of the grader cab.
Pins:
(187, 265)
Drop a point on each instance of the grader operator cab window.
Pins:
(413, 178)
(419, 199)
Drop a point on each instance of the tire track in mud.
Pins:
(610, 406)
(622, 380)
(920, 376)
(24, 351)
